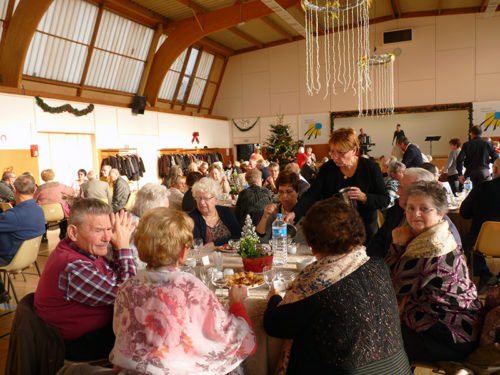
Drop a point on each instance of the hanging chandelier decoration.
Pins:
(345, 39)
(337, 46)
(377, 98)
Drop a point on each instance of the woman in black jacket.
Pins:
(346, 169)
(340, 315)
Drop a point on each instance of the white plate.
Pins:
(225, 250)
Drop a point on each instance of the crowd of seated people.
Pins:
(422, 303)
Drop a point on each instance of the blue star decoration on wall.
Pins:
(314, 130)
(492, 119)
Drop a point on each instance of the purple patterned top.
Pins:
(436, 289)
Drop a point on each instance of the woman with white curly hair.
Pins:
(214, 224)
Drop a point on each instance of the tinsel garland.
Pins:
(63, 108)
(402, 110)
(245, 129)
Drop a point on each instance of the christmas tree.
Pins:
(248, 229)
(280, 147)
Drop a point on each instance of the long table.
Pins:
(266, 357)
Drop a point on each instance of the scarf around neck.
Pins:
(434, 242)
(315, 278)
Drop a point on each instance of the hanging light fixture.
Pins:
(337, 40)
(346, 39)
(376, 97)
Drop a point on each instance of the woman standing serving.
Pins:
(346, 169)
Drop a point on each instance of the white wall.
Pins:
(24, 123)
(452, 59)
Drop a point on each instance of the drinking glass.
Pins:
(218, 260)
(206, 275)
(219, 283)
(269, 275)
(197, 243)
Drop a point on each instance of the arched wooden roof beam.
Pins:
(184, 33)
(17, 40)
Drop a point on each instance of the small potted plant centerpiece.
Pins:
(255, 256)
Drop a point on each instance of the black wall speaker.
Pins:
(139, 104)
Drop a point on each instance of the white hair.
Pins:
(206, 185)
(150, 196)
(420, 174)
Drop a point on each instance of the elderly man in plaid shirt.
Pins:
(79, 284)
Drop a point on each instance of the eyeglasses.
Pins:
(200, 199)
(422, 210)
(338, 153)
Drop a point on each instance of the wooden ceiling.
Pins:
(270, 29)
(224, 27)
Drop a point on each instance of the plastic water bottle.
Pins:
(279, 241)
(467, 186)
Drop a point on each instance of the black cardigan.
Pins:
(227, 217)
(350, 325)
(368, 178)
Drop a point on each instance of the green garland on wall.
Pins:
(63, 108)
(402, 110)
(245, 129)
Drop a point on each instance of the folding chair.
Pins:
(488, 245)
(25, 257)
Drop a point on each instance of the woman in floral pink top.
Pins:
(167, 321)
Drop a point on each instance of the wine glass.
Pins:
(219, 283)
(206, 275)
(269, 275)
(197, 243)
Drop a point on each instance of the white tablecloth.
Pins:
(266, 357)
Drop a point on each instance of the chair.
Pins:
(380, 218)
(105, 200)
(130, 201)
(54, 216)
(5, 206)
(488, 245)
(35, 347)
(444, 367)
(25, 257)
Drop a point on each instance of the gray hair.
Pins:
(87, 206)
(91, 175)
(430, 189)
(6, 175)
(150, 196)
(253, 176)
(25, 184)
(206, 185)
(115, 171)
(395, 166)
(420, 174)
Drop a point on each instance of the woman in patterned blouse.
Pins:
(439, 305)
(167, 321)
